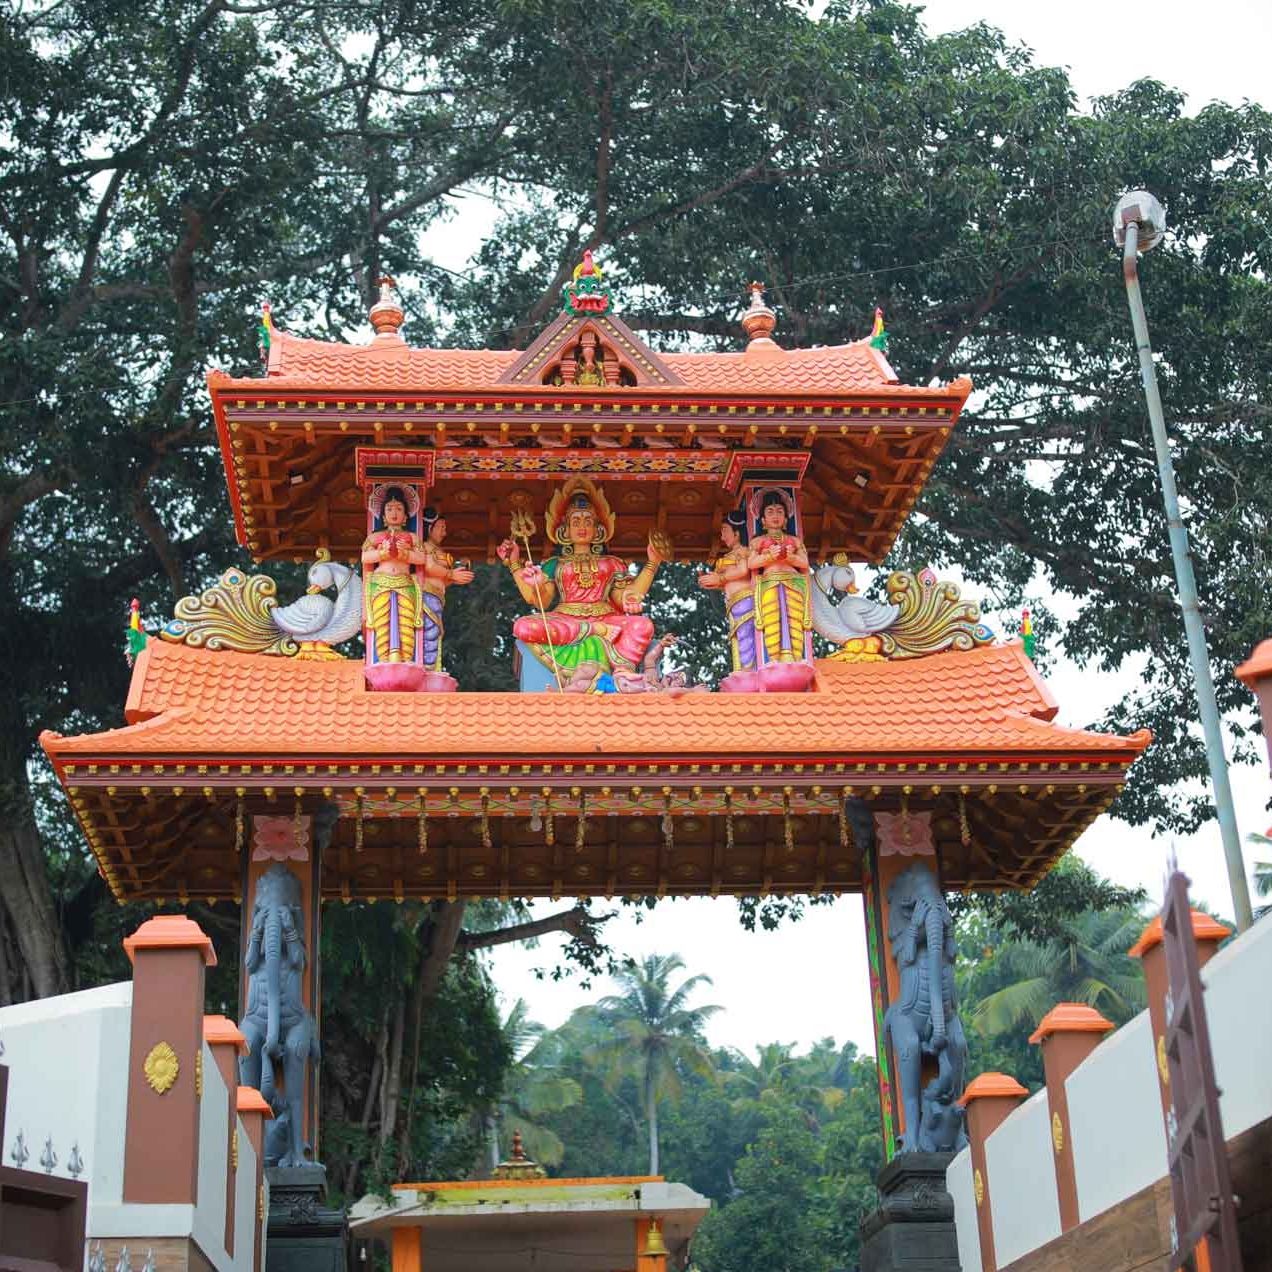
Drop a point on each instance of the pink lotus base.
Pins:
(396, 677)
(772, 678)
(440, 682)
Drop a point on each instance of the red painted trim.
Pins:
(217, 382)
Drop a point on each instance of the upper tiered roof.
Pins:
(498, 420)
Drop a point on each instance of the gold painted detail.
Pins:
(161, 1068)
(978, 1187)
(932, 618)
(234, 1149)
(198, 1075)
(234, 613)
(1162, 1067)
(1057, 1133)
(260, 1204)
(860, 649)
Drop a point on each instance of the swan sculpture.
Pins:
(852, 617)
(241, 612)
(316, 622)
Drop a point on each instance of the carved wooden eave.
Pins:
(565, 333)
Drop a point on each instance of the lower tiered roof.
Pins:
(446, 795)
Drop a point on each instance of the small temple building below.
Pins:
(521, 1219)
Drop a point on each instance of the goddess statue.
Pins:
(440, 570)
(779, 565)
(589, 607)
(394, 612)
(731, 574)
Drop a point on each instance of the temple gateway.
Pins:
(292, 753)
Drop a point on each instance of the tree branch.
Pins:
(581, 924)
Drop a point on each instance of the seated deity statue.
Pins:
(588, 622)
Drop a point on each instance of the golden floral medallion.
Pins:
(161, 1067)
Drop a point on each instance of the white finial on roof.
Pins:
(386, 314)
(758, 321)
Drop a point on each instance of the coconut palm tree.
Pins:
(653, 1035)
(533, 1087)
(1262, 872)
(1086, 963)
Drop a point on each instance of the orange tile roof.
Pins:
(984, 703)
(387, 363)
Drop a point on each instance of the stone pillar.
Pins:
(226, 1044)
(988, 1100)
(1068, 1033)
(408, 1249)
(253, 1111)
(169, 954)
(1208, 933)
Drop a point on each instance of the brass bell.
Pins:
(654, 1243)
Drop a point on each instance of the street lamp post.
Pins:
(1139, 221)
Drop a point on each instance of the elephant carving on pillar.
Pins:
(280, 1032)
(923, 1021)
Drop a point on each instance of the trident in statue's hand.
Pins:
(521, 527)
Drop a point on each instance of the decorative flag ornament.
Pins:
(1027, 633)
(879, 336)
(265, 332)
(136, 633)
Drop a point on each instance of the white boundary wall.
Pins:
(958, 1179)
(1115, 1120)
(1022, 1181)
(68, 1061)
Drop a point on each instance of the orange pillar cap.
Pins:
(222, 1031)
(990, 1086)
(1204, 929)
(1258, 666)
(1070, 1018)
(171, 932)
(250, 1100)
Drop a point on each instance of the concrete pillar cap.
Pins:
(1070, 1018)
(990, 1086)
(1204, 929)
(170, 932)
(221, 1031)
(1258, 666)
(250, 1100)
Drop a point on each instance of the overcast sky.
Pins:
(808, 980)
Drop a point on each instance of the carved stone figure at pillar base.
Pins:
(279, 1030)
(923, 1020)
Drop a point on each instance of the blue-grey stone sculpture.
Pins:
(924, 1018)
(278, 1028)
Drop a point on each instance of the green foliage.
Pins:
(1016, 961)
(652, 1035)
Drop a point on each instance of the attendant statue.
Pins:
(394, 609)
(779, 568)
(440, 570)
(277, 1027)
(588, 608)
(731, 573)
(923, 1019)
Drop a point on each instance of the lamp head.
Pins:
(1143, 209)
